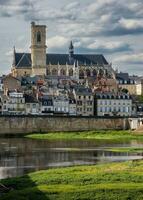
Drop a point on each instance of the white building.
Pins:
(72, 107)
(47, 104)
(32, 105)
(110, 104)
(14, 103)
(61, 104)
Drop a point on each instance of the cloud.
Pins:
(87, 45)
(132, 59)
(101, 18)
(9, 8)
(58, 44)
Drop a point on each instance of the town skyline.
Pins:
(102, 27)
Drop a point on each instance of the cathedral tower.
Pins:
(38, 49)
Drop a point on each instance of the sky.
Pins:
(109, 27)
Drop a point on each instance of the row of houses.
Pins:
(80, 101)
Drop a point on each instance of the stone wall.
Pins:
(37, 124)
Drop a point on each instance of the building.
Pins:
(47, 104)
(111, 104)
(139, 86)
(32, 105)
(61, 104)
(14, 103)
(126, 82)
(11, 83)
(75, 66)
(84, 101)
(72, 107)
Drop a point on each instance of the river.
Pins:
(19, 156)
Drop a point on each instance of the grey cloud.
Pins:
(120, 31)
(106, 50)
(4, 2)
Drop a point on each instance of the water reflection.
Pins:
(19, 156)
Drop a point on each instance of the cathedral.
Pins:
(75, 66)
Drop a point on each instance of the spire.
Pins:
(71, 49)
(14, 52)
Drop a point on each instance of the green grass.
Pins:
(99, 135)
(114, 181)
(126, 149)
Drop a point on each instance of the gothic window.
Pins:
(54, 72)
(94, 73)
(81, 74)
(70, 72)
(63, 72)
(88, 72)
(101, 72)
(38, 36)
(48, 72)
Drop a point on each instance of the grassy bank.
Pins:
(126, 149)
(109, 181)
(106, 135)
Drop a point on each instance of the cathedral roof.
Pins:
(24, 59)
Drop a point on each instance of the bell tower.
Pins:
(38, 49)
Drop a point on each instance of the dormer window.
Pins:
(38, 37)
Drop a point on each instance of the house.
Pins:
(32, 105)
(11, 83)
(47, 104)
(14, 103)
(113, 104)
(126, 82)
(72, 106)
(84, 101)
(61, 104)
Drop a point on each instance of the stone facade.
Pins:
(37, 124)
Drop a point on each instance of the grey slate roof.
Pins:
(111, 95)
(24, 59)
(122, 76)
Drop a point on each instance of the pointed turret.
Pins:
(14, 61)
(71, 49)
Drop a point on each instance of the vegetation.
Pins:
(109, 181)
(106, 135)
(126, 149)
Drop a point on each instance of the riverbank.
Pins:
(109, 181)
(98, 135)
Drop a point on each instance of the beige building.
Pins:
(75, 66)
(139, 87)
(11, 83)
(127, 82)
(84, 101)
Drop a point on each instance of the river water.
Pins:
(19, 156)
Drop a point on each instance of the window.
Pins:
(34, 105)
(38, 37)
(45, 103)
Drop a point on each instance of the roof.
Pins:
(24, 59)
(111, 95)
(122, 76)
(30, 99)
(83, 91)
(47, 101)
